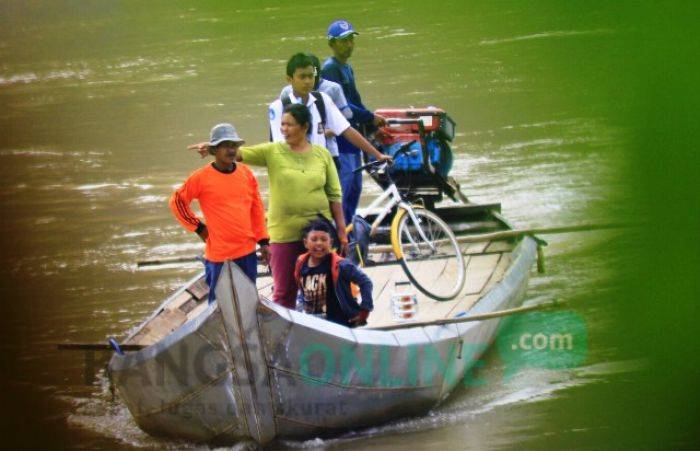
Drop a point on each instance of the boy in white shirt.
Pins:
(301, 74)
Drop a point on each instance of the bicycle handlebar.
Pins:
(403, 150)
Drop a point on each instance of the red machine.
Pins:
(412, 123)
(424, 173)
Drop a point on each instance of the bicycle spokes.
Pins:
(429, 253)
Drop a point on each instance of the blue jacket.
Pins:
(343, 274)
(342, 74)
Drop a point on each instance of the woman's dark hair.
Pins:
(300, 113)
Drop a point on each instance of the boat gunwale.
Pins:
(132, 359)
(157, 311)
(320, 325)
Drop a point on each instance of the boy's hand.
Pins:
(360, 319)
(201, 148)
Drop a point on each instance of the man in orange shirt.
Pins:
(233, 210)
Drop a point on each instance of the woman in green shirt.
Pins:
(303, 183)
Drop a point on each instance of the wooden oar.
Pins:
(540, 231)
(479, 317)
(514, 233)
(492, 236)
(97, 347)
(167, 261)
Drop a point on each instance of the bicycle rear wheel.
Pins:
(433, 260)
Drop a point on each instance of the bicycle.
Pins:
(424, 244)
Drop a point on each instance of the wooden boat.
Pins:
(244, 368)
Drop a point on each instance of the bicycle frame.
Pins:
(391, 198)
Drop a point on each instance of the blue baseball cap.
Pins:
(224, 132)
(340, 29)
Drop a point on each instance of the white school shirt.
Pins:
(335, 121)
(334, 91)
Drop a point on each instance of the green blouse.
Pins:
(301, 185)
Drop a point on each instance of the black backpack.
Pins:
(320, 106)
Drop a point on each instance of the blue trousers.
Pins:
(351, 183)
(248, 263)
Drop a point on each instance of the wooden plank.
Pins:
(498, 246)
(498, 272)
(180, 300)
(167, 321)
(383, 281)
(464, 304)
(189, 305)
(197, 310)
(479, 271)
(440, 275)
(430, 309)
(481, 316)
(199, 289)
(474, 248)
(474, 226)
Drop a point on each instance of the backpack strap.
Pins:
(285, 101)
(320, 106)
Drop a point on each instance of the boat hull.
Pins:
(248, 369)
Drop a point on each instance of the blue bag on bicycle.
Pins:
(410, 161)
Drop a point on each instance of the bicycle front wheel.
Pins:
(432, 260)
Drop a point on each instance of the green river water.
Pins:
(567, 112)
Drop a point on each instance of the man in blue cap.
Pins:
(336, 68)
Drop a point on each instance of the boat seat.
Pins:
(199, 289)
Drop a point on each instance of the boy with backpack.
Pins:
(301, 74)
(335, 92)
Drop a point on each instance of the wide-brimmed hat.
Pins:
(340, 29)
(224, 132)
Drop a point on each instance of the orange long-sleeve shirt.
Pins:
(232, 208)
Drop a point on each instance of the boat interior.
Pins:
(486, 263)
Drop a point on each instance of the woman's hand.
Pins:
(388, 158)
(201, 148)
(344, 247)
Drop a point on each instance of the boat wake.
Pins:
(112, 419)
(469, 406)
